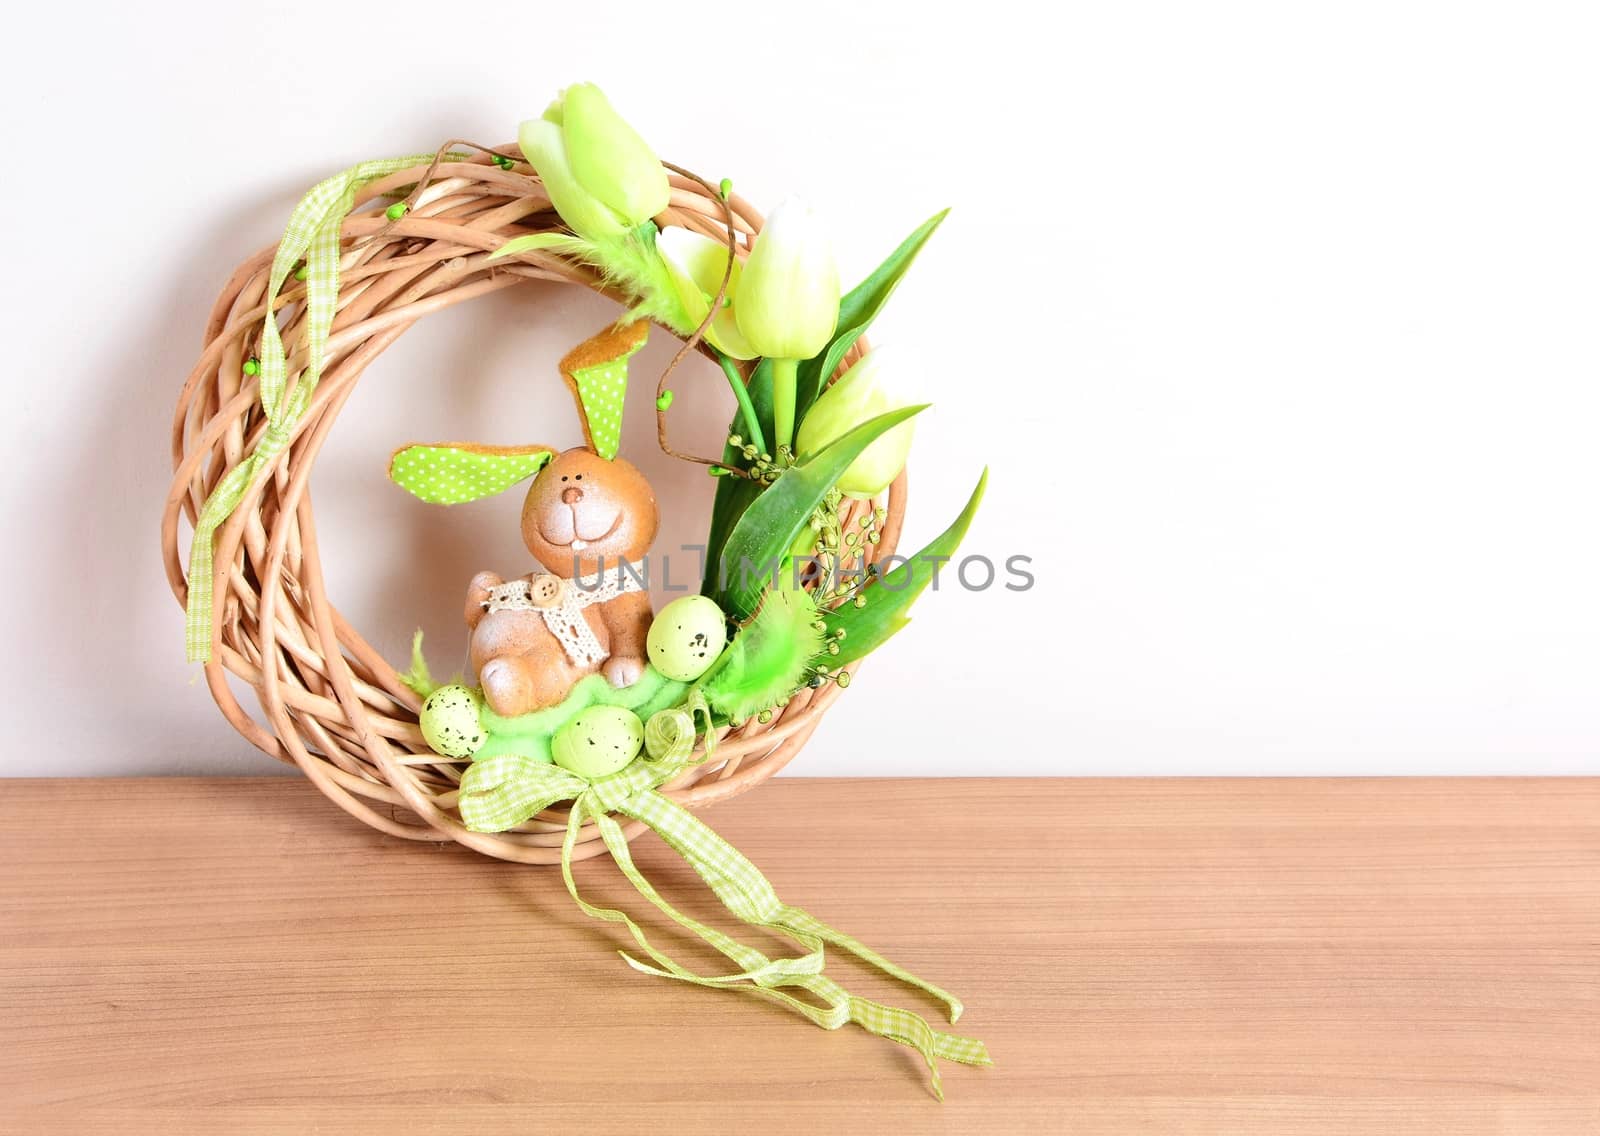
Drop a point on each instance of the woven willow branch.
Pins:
(329, 703)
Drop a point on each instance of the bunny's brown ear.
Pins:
(453, 472)
(597, 374)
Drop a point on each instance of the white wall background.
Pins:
(1276, 323)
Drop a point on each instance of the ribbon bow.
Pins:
(503, 791)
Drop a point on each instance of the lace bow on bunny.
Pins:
(561, 602)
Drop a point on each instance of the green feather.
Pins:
(767, 660)
(628, 264)
(417, 678)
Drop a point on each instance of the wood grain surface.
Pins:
(1196, 956)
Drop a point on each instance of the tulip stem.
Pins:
(783, 384)
(747, 411)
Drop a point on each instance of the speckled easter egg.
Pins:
(686, 637)
(450, 721)
(600, 740)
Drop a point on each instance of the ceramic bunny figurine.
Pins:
(588, 518)
(583, 516)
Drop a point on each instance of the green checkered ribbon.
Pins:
(503, 791)
(312, 233)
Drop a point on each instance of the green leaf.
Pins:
(735, 494)
(859, 307)
(764, 535)
(760, 391)
(892, 594)
(564, 243)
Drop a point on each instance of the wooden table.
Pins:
(1197, 956)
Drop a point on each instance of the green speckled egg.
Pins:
(686, 637)
(450, 721)
(600, 740)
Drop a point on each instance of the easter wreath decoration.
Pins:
(592, 718)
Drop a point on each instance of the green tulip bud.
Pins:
(609, 158)
(789, 292)
(696, 264)
(602, 177)
(584, 214)
(861, 393)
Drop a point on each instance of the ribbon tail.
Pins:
(198, 616)
(746, 892)
(748, 895)
(758, 968)
(796, 921)
(911, 1029)
(609, 914)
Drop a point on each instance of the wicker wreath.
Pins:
(330, 703)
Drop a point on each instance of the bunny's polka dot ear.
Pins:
(597, 374)
(452, 474)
